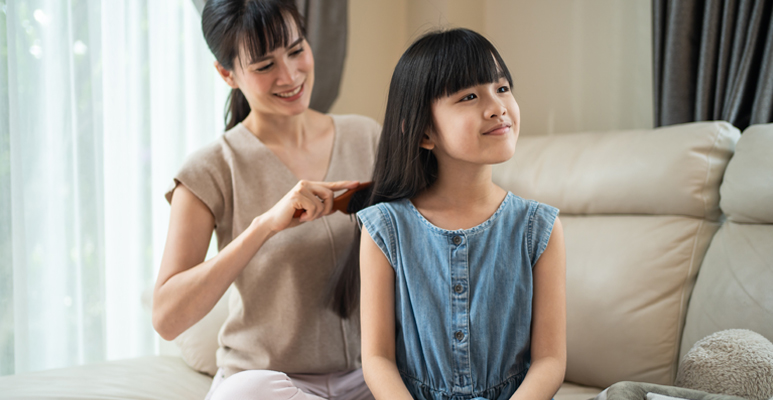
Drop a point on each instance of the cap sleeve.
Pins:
(205, 173)
(541, 221)
(378, 224)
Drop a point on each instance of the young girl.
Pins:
(463, 293)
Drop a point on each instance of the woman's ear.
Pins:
(228, 76)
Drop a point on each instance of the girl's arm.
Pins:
(377, 307)
(188, 287)
(548, 333)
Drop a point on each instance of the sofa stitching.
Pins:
(705, 188)
(683, 305)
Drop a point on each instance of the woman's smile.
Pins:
(291, 95)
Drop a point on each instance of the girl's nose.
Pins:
(496, 108)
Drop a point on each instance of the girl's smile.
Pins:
(499, 129)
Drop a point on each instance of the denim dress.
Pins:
(463, 298)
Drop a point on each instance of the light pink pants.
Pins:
(273, 385)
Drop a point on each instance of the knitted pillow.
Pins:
(735, 362)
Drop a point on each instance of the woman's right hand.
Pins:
(314, 198)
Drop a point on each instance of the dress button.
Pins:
(457, 240)
(458, 288)
(459, 335)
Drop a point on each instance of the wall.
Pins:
(577, 65)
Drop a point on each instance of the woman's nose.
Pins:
(286, 74)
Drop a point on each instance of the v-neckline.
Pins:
(284, 167)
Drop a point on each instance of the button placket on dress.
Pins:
(460, 313)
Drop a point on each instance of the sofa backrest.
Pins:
(639, 209)
(734, 288)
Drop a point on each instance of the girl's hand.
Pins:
(315, 198)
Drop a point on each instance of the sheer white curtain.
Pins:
(100, 101)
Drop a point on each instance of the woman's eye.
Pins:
(296, 52)
(264, 68)
(470, 96)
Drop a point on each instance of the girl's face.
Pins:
(279, 83)
(477, 125)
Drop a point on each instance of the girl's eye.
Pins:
(470, 96)
(503, 89)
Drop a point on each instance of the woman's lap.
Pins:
(274, 385)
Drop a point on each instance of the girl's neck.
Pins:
(464, 186)
(460, 199)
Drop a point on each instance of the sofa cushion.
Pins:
(733, 289)
(674, 170)
(628, 280)
(747, 189)
(150, 378)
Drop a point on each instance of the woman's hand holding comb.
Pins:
(306, 201)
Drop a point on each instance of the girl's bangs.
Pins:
(266, 27)
(465, 61)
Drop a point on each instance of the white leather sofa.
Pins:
(645, 213)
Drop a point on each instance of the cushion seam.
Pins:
(683, 306)
(705, 188)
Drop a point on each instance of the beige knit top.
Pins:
(278, 318)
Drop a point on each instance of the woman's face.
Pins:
(280, 82)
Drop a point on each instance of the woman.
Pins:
(281, 340)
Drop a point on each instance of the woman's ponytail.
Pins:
(237, 108)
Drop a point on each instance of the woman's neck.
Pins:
(276, 130)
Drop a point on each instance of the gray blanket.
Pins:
(639, 391)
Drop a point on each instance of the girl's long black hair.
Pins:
(256, 26)
(437, 64)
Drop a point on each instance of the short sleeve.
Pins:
(541, 220)
(205, 173)
(379, 226)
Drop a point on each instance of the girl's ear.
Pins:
(426, 141)
(228, 76)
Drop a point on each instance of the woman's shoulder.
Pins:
(214, 160)
(354, 120)
(219, 150)
(353, 124)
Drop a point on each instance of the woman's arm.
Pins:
(188, 287)
(377, 307)
(548, 333)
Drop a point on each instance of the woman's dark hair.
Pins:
(437, 64)
(256, 26)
